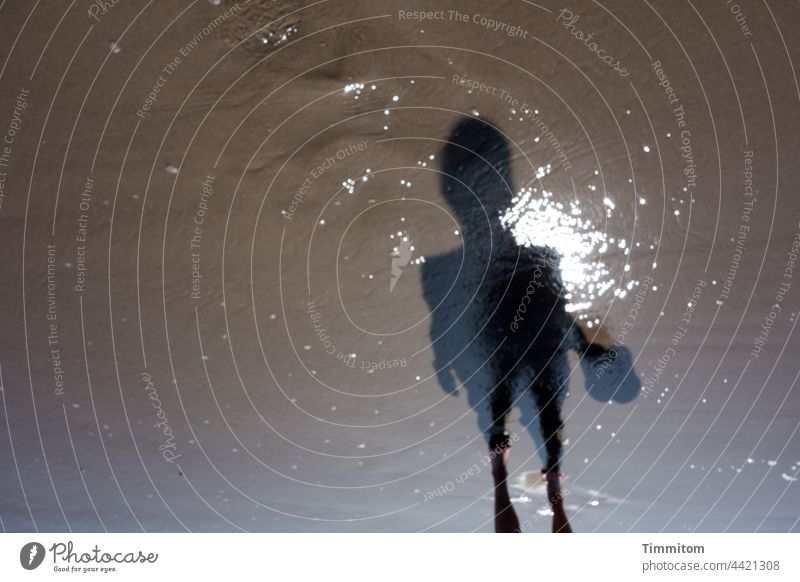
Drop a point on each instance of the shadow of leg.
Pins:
(556, 497)
(505, 517)
(548, 391)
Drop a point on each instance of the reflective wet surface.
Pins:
(282, 266)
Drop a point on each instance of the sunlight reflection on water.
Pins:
(537, 220)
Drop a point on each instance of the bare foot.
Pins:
(505, 518)
(556, 497)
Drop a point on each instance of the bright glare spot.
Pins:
(349, 185)
(544, 222)
(354, 87)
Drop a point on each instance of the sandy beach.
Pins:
(215, 217)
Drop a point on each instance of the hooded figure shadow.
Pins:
(499, 322)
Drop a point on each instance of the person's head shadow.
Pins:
(476, 176)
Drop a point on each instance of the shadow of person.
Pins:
(499, 324)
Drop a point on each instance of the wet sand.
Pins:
(206, 325)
